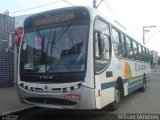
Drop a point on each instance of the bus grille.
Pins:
(53, 90)
(54, 101)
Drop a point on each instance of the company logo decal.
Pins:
(127, 71)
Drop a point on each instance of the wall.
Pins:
(7, 25)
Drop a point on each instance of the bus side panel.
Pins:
(119, 73)
(87, 99)
(132, 75)
(105, 86)
(139, 70)
(148, 78)
(131, 72)
(104, 93)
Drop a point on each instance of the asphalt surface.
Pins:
(9, 101)
(138, 102)
(143, 102)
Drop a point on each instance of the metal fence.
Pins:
(7, 25)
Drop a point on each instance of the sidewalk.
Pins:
(9, 101)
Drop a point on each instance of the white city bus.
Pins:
(76, 58)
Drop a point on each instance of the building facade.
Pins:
(155, 56)
(7, 25)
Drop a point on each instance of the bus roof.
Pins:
(93, 13)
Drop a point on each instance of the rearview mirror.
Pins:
(10, 42)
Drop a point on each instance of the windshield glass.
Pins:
(58, 49)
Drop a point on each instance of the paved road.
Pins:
(137, 102)
(9, 101)
(143, 102)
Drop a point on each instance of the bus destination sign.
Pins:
(54, 19)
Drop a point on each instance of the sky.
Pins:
(133, 14)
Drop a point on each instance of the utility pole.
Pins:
(94, 4)
(144, 31)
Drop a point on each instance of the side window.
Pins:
(146, 56)
(129, 48)
(135, 50)
(102, 45)
(99, 39)
(140, 52)
(116, 42)
(147, 53)
(143, 52)
(146, 59)
(123, 45)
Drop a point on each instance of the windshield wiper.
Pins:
(42, 50)
(61, 33)
(64, 30)
(54, 35)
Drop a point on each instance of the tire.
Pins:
(117, 97)
(143, 88)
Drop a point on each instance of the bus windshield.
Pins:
(59, 49)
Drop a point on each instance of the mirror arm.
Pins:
(12, 51)
(8, 47)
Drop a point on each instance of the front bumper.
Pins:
(82, 98)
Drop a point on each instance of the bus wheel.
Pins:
(143, 88)
(114, 105)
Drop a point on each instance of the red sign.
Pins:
(19, 35)
(72, 97)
